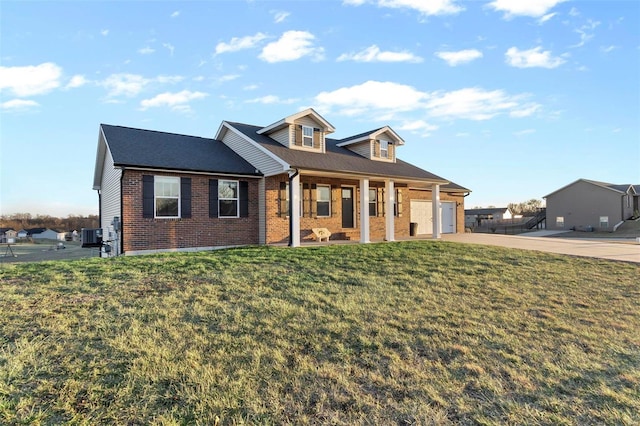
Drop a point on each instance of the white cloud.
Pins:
(240, 43)
(176, 101)
(374, 54)
(18, 104)
(76, 81)
(471, 103)
(546, 17)
(104, 32)
(378, 95)
(532, 58)
(291, 46)
(146, 50)
(131, 85)
(395, 101)
(524, 132)
(608, 49)
(425, 7)
(280, 16)
(250, 87)
(271, 99)
(175, 14)
(532, 8)
(418, 126)
(228, 77)
(169, 47)
(30, 80)
(585, 32)
(459, 57)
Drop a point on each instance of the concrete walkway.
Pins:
(628, 250)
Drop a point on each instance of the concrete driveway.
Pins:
(625, 250)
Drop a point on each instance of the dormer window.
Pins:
(307, 136)
(384, 149)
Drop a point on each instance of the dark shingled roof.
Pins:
(339, 159)
(160, 150)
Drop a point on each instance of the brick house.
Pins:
(167, 192)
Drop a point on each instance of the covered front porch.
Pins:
(335, 202)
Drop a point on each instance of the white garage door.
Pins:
(422, 214)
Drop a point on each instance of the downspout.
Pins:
(291, 177)
(120, 233)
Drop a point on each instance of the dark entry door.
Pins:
(347, 207)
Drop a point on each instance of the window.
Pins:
(560, 222)
(228, 198)
(373, 202)
(604, 221)
(384, 149)
(167, 196)
(307, 136)
(323, 200)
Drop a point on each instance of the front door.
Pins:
(347, 207)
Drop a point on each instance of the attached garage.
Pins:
(422, 214)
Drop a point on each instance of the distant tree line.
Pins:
(531, 206)
(20, 221)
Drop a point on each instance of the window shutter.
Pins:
(298, 136)
(316, 138)
(306, 199)
(213, 197)
(380, 202)
(244, 198)
(147, 197)
(399, 202)
(392, 149)
(314, 201)
(335, 191)
(283, 207)
(376, 148)
(185, 197)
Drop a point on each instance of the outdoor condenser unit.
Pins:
(91, 237)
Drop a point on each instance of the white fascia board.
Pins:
(293, 117)
(285, 166)
(388, 129)
(100, 157)
(190, 172)
(272, 126)
(352, 141)
(220, 132)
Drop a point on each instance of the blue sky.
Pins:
(510, 98)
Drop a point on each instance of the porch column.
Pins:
(390, 201)
(364, 211)
(435, 202)
(294, 210)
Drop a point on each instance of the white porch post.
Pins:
(435, 202)
(364, 210)
(294, 210)
(390, 201)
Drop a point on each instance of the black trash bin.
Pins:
(413, 229)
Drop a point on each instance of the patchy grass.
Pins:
(404, 333)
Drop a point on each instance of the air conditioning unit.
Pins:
(91, 237)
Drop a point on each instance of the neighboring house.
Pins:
(8, 235)
(161, 191)
(475, 217)
(588, 204)
(45, 234)
(22, 234)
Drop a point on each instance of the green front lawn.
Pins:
(400, 333)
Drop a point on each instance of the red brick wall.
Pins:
(139, 233)
(278, 227)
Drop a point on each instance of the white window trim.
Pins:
(307, 137)
(606, 220)
(386, 150)
(237, 199)
(318, 200)
(155, 196)
(560, 219)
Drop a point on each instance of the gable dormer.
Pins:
(377, 145)
(305, 130)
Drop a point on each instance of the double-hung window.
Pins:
(384, 149)
(228, 198)
(307, 136)
(323, 200)
(373, 202)
(167, 196)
